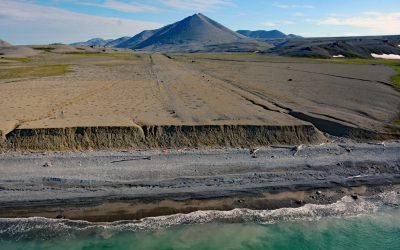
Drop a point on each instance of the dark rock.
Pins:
(47, 165)
(354, 196)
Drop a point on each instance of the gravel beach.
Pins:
(105, 186)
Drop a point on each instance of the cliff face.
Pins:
(148, 137)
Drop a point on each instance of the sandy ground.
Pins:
(126, 89)
(53, 182)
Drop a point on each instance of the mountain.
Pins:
(264, 34)
(94, 42)
(133, 41)
(114, 43)
(196, 33)
(4, 43)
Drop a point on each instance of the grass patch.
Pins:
(226, 54)
(395, 64)
(123, 56)
(17, 59)
(47, 49)
(34, 71)
(396, 122)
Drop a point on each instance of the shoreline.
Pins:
(110, 186)
(114, 211)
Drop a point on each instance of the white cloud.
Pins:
(293, 6)
(197, 5)
(269, 24)
(22, 22)
(277, 23)
(130, 7)
(375, 22)
(298, 14)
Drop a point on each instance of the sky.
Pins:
(67, 21)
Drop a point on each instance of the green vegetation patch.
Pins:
(117, 55)
(18, 59)
(34, 71)
(47, 49)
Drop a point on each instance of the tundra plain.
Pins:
(66, 98)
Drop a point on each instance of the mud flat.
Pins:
(108, 186)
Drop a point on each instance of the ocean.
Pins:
(365, 223)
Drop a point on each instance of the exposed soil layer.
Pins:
(64, 139)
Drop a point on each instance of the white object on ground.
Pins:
(386, 56)
(339, 56)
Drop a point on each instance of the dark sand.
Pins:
(106, 186)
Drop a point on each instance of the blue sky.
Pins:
(48, 21)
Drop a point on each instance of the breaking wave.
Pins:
(42, 228)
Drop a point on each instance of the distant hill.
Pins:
(114, 43)
(132, 42)
(94, 42)
(264, 34)
(4, 44)
(352, 47)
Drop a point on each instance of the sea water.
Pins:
(365, 223)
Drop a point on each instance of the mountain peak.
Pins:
(193, 32)
(198, 15)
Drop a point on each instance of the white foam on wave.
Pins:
(386, 56)
(50, 228)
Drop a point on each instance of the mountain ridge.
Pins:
(266, 34)
(93, 42)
